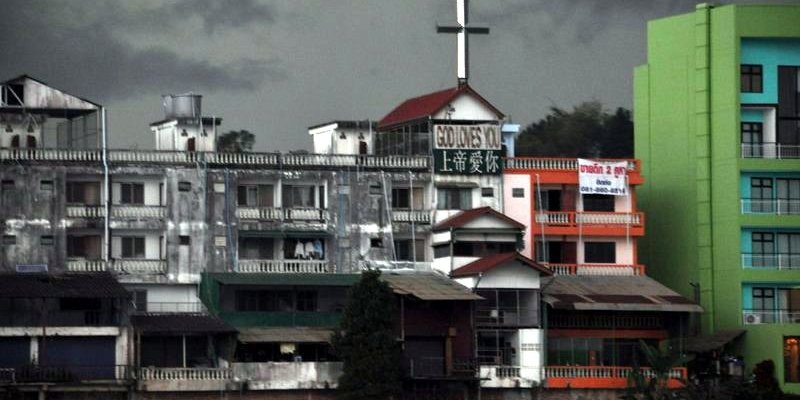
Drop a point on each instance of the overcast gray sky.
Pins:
(277, 67)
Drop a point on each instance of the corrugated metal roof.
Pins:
(428, 286)
(99, 285)
(623, 293)
(715, 341)
(285, 279)
(285, 335)
(180, 324)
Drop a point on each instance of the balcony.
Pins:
(415, 216)
(282, 214)
(509, 376)
(85, 211)
(120, 266)
(590, 223)
(64, 374)
(288, 375)
(506, 316)
(129, 211)
(285, 266)
(758, 317)
(437, 367)
(554, 164)
(771, 261)
(244, 160)
(595, 269)
(395, 264)
(160, 307)
(770, 150)
(770, 206)
(578, 377)
(155, 379)
(242, 319)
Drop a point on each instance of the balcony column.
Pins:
(448, 351)
(183, 352)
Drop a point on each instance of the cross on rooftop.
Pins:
(462, 29)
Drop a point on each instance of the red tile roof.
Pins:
(426, 105)
(490, 262)
(464, 217)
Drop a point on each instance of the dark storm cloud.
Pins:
(75, 46)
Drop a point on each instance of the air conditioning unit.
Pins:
(752, 319)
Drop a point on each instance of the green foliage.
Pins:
(651, 384)
(235, 141)
(586, 131)
(366, 342)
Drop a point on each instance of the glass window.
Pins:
(300, 196)
(764, 303)
(185, 240)
(184, 186)
(788, 195)
(454, 199)
(600, 252)
(46, 185)
(9, 240)
(761, 195)
(404, 251)
(131, 193)
(789, 250)
(46, 240)
(751, 78)
(763, 249)
(487, 192)
(598, 202)
(401, 197)
(791, 359)
(306, 300)
(132, 247)
(517, 192)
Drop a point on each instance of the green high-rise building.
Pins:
(717, 117)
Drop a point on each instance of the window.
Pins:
(79, 304)
(404, 251)
(789, 250)
(764, 303)
(132, 247)
(131, 193)
(262, 300)
(375, 189)
(185, 240)
(255, 195)
(46, 240)
(598, 202)
(788, 110)
(306, 300)
(84, 247)
(255, 248)
(761, 195)
(7, 184)
(184, 186)
(376, 243)
(788, 195)
(303, 249)
(517, 192)
(487, 192)
(140, 300)
(401, 197)
(46, 185)
(753, 135)
(791, 359)
(9, 240)
(299, 196)
(454, 199)
(474, 249)
(600, 252)
(763, 249)
(87, 193)
(751, 78)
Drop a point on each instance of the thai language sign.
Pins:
(467, 149)
(601, 177)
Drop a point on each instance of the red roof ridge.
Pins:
(488, 263)
(428, 104)
(465, 216)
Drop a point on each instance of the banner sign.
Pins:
(601, 177)
(467, 149)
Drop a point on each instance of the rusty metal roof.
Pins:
(715, 341)
(95, 285)
(616, 293)
(428, 286)
(285, 334)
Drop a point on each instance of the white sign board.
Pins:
(602, 177)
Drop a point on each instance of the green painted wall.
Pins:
(687, 116)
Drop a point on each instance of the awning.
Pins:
(613, 293)
(715, 341)
(428, 286)
(84, 286)
(309, 234)
(233, 278)
(285, 335)
(180, 324)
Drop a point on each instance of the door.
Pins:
(363, 148)
(190, 144)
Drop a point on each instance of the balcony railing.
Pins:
(580, 377)
(83, 265)
(48, 373)
(554, 164)
(770, 206)
(588, 321)
(573, 218)
(159, 307)
(396, 264)
(294, 375)
(285, 266)
(416, 216)
(278, 214)
(184, 374)
(771, 261)
(85, 211)
(595, 269)
(770, 150)
(507, 316)
(137, 211)
(436, 367)
(756, 317)
(139, 266)
(212, 158)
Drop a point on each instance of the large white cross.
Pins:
(462, 29)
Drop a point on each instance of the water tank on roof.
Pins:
(182, 105)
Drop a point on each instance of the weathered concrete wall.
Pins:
(288, 375)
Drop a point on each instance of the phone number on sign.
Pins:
(602, 190)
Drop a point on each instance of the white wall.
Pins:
(168, 293)
(168, 136)
(529, 351)
(519, 208)
(512, 275)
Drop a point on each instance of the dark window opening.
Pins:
(487, 192)
(87, 247)
(376, 243)
(598, 202)
(46, 240)
(8, 184)
(256, 248)
(306, 300)
(264, 301)
(255, 195)
(185, 240)
(454, 199)
(78, 304)
(474, 249)
(517, 192)
(184, 186)
(9, 240)
(752, 79)
(401, 197)
(407, 250)
(600, 252)
(131, 193)
(140, 300)
(132, 247)
(46, 185)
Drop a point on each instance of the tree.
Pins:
(366, 342)
(236, 141)
(586, 131)
(652, 384)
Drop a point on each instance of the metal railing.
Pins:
(554, 164)
(278, 213)
(779, 316)
(285, 266)
(588, 321)
(771, 261)
(395, 264)
(770, 150)
(417, 216)
(595, 269)
(575, 218)
(596, 376)
(429, 367)
(215, 158)
(162, 307)
(67, 373)
(770, 206)
(184, 374)
(507, 316)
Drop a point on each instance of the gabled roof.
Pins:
(464, 217)
(428, 286)
(22, 78)
(488, 263)
(428, 104)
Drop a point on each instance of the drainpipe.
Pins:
(106, 191)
